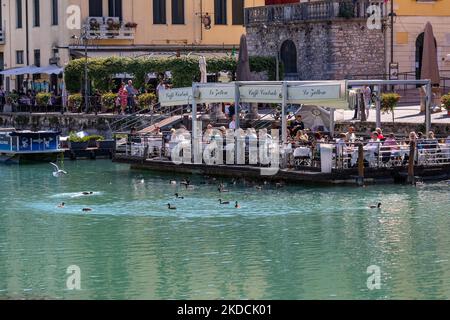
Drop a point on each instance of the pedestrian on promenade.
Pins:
(367, 93)
(123, 96)
(160, 87)
(131, 92)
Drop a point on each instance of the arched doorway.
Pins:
(419, 54)
(288, 56)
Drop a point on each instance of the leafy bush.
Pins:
(346, 10)
(145, 100)
(43, 98)
(184, 70)
(74, 138)
(109, 100)
(75, 100)
(12, 98)
(445, 99)
(389, 102)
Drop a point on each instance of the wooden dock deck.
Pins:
(341, 176)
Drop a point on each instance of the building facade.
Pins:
(409, 24)
(32, 34)
(319, 40)
(42, 32)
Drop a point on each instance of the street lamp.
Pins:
(84, 37)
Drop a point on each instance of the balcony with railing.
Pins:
(109, 28)
(2, 36)
(313, 11)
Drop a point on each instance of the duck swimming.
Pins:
(86, 209)
(87, 193)
(62, 205)
(378, 206)
(169, 206)
(178, 196)
(223, 202)
(237, 206)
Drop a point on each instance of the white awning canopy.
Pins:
(19, 71)
(52, 69)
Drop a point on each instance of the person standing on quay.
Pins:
(367, 93)
(131, 91)
(123, 96)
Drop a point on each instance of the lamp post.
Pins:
(392, 31)
(84, 37)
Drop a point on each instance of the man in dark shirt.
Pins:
(297, 125)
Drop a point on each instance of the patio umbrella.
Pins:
(243, 67)
(430, 68)
(243, 73)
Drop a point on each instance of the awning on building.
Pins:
(146, 54)
(52, 69)
(19, 71)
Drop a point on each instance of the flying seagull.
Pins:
(58, 172)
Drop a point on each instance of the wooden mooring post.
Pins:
(360, 178)
(412, 153)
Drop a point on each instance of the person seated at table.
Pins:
(373, 143)
(157, 131)
(318, 138)
(341, 144)
(380, 134)
(301, 137)
(413, 137)
(297, 125)
(391, 142)
(350, 135)
(207, 135)
(232, 124)
(432, 142)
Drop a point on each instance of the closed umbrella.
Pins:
(243, 67)
(430, 68)
(243, 72)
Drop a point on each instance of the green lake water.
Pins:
(297, 242)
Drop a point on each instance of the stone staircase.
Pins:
(171, 121)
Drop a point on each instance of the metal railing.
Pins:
(2, 35)
(98, 28)
(309, 11)
(307, 156)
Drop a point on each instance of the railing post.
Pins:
(412, 153)
(360, 178)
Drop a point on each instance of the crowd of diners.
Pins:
(298, 135)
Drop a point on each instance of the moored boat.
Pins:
(19, 146)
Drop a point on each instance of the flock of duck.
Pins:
(62, 205)
(187, 184)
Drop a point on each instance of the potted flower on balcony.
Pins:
(94, 25)
(446, 102)
(112, 25)
(131, 25)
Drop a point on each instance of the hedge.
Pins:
(184, 70)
